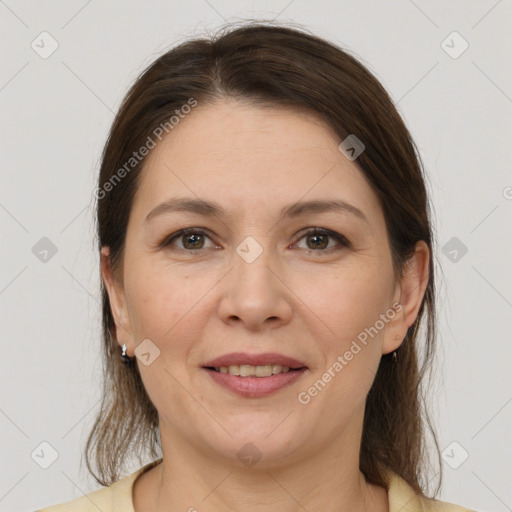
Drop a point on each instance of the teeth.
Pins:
(245, 370)
(234, 370)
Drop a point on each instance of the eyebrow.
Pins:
(211, 209)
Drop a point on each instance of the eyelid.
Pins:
(181, 232)
(341, 239)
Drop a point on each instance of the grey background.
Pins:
(55, 115)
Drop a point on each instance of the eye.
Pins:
(191, 238)
(194, 239)
(317, 239)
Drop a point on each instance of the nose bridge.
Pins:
(251, 261)
(253, 292)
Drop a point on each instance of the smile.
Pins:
(247, 370)
(247, 383)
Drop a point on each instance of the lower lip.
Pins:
(255, 387)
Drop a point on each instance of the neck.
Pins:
(190, 479)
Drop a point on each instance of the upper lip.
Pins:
(241, 358)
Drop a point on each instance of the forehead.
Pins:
(231, 130)
(253, 159)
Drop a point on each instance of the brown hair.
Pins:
(274, 65)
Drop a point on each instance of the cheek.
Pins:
(172, 306)
(344, 311)
(166, 309)
(161, 305)
(347, 303)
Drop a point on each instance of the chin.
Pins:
(261, 444)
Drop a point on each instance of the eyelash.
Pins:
(198, 231)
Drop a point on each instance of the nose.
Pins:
(255, 293)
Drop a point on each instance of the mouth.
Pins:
(254, 381)
(247, 370)
(254, 375)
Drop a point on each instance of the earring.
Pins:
(397, 337)
(125, 358)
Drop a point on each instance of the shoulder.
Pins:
(93, 501)
(116, 497)
(403, 498)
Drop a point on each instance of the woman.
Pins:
(266, 261)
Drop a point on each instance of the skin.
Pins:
(197, 304)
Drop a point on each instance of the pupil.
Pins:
(195, 238)
(316, 237)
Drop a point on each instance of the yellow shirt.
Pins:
(118, 498)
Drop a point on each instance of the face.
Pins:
(255, 276)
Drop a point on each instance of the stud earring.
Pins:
(125, 358)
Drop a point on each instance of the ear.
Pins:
(117, 300)
(409, 294)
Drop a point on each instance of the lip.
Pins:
(267, 358)
(255, 387)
